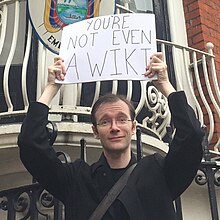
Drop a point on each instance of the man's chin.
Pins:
(116, 150)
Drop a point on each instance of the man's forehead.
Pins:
(118, 106)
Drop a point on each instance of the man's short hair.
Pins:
(111, 98)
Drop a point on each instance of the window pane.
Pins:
(144, 5)
(140, 6)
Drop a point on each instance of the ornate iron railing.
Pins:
(29, 202)
(191, 69)
(33, 202)
(209, 173)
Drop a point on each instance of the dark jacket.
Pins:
(153, 185)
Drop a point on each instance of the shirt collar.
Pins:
(103, 162)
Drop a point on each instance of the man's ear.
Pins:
(134, 127)
(95, 132)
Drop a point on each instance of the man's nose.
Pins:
(114, 125)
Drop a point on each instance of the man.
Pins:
(155, 181)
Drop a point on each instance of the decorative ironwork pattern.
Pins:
(30, 201)
(209, 173)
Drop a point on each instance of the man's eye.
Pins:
(122, 120)
(104, 122)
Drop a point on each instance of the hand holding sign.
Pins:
(116, 47)
(158, 67)
(57, 71)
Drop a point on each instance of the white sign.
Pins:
(116, 47)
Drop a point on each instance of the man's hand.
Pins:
(158, 67)
(57, 70)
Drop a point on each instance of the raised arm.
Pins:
(37, 155)
(185, 150)
(56, 71)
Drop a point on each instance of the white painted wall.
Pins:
(195, 203)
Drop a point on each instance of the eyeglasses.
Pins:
(108, 122)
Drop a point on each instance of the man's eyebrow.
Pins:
(122, 114)
(118, 115)
(104, 117)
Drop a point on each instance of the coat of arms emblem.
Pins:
(48, 17)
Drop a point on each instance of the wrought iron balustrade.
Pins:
(191, 68)
(29, 202)
(209, 173)
(33, 202)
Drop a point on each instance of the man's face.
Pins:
(114, 126)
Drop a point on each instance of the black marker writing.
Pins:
(96, 67)
(128, 63)
(133, 36)
(73, 64)
(111, 22)
(115, 62)
(81, 41)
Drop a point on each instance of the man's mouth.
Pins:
(116, 138)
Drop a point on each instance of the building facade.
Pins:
(188, 34)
